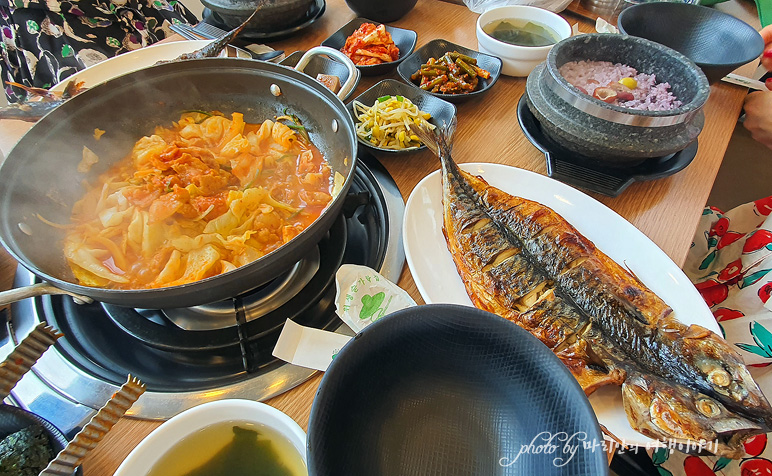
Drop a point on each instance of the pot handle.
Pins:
(353, 72)
(39, 289)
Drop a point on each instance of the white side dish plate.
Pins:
(139, 59)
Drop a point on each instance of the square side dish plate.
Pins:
(405, 41)
(436, 49)
(442, 112)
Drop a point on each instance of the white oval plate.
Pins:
(438, 281)
(138, 59)
(162, 439)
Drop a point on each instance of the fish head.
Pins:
(669, 411)
(723, 373)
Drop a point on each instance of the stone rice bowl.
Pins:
(610, 134)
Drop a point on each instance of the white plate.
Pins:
(438, 281)
(138, 59)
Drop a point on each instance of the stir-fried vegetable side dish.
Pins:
(370, 45)
(199, 198)
(386, 124)
(453, 73)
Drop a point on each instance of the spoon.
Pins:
(266, 56)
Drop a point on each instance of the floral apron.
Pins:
(730, 263)
(45, 41)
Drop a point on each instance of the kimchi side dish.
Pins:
(205, 196)
(370, 45)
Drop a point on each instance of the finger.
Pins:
(766, 59)
(766, 34)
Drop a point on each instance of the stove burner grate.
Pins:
(109, 341)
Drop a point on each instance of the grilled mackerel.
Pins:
(521, 260)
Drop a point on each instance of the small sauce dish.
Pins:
(519, 60)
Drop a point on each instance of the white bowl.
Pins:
(519, 60)
(162, 439)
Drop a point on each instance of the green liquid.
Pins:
(231, 449)
(521, 32)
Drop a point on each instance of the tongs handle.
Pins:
(25, 355)
(72, 455)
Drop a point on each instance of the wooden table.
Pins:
(666, 210)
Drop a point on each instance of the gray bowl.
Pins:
(612, 134)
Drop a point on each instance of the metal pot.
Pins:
(39, 178)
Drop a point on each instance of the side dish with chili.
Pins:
(452, 73)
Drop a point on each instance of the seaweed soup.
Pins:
(521, 32)
(231, 448)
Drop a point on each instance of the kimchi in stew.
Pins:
(205, 196)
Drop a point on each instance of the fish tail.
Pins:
(439, 141)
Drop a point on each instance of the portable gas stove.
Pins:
(189, 356)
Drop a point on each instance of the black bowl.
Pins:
(319, 65)
(448, 390)
(442, 111)
(718, 43)
(405, 40)
(383, 11)
(13, 419)
(437, 48)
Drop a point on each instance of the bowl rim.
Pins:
(635, 117)
(737, 23)
(522, 8)
(451, 97)
(413, 90)
(150, 450)
(358, 21)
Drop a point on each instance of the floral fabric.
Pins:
(730, 262)
(45, 41)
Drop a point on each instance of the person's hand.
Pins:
(766, 58)
(758, 116)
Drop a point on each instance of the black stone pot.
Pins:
(275, 15)
(615, 135)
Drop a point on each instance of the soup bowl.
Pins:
(163, 439)
(519, 60)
